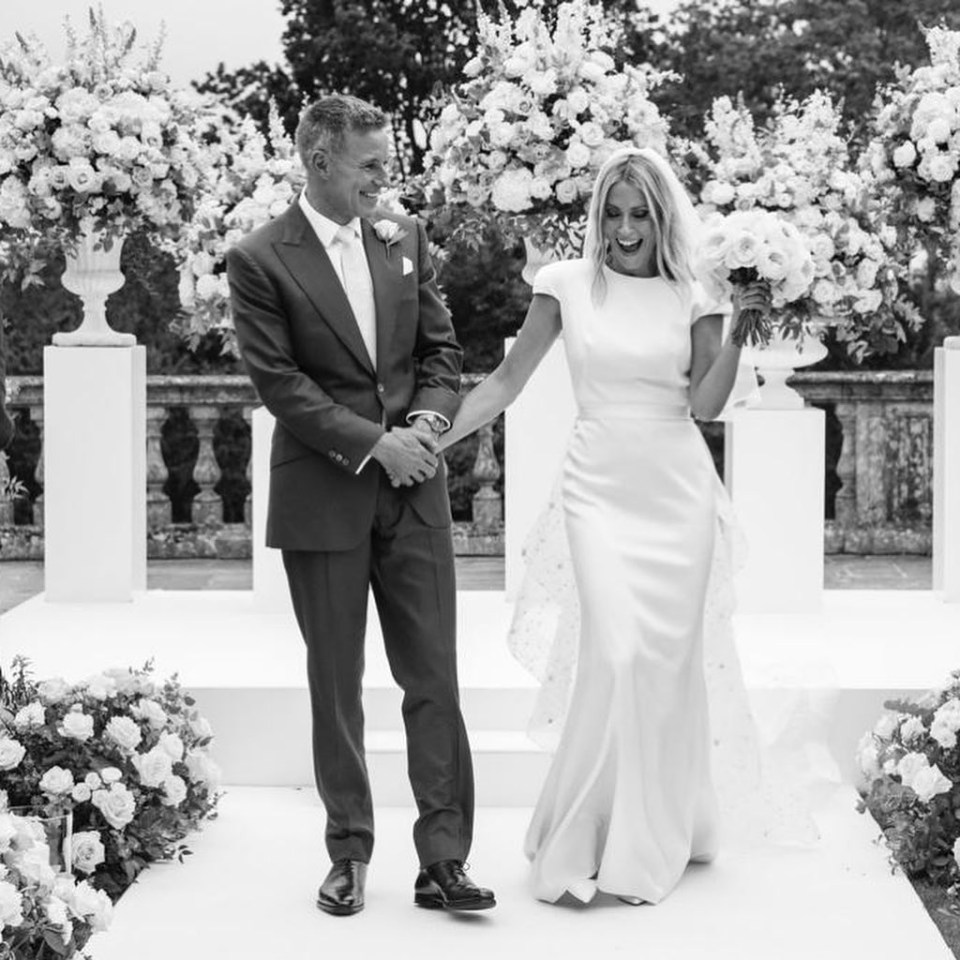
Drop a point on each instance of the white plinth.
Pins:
(774, 472)
(270, 590)
(536, 429)
(946, 470)
(95, 473)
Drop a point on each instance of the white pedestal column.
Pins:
(946, 470)
(536, 430)
(95, 473)
(774, 472)
(270, 591)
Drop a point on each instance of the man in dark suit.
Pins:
(6, 424)
(345, 336)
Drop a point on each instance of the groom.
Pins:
(345, 336)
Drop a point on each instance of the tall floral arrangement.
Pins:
(915, 151)
(101, 140)
(799, 166)
(249, 178)
(127, 756)
(541, 107)
(911, 768)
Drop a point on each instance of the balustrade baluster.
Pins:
(207, 504)
(845, 504)
(6, 501)
(159, 508)
(36, 415)
(248, 472)
(487, 503)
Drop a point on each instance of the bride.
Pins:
(629, 799)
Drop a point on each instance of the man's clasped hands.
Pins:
(408, 454)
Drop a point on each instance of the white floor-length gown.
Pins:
(629, 800)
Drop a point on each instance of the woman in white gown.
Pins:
(628, 801)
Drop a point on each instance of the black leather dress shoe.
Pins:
(342, 892)
(445, 886)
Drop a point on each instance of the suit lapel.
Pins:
(305, 257)
(384, 265)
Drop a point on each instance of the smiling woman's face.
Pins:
(629, 231)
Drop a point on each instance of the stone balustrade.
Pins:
(877, 473)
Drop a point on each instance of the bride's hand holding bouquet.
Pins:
(761, 261)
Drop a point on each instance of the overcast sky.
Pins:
(200, 33)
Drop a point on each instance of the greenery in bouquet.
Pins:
(126, 755)
(249, 179)
(911, 768)
(99, 142)
(749, 245)
(915, 152)
(44, 913)
(798, 165)
(519, 141)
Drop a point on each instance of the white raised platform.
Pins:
(248, 893)
(244, 663)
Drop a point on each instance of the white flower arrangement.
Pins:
(248, 180)
(98, 141)
(126, 756)
(799, 166)
(749, 245)
(910, 763)
(915, 150)
(43, 912)
(521, 139)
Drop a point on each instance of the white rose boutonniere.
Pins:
(389, 231)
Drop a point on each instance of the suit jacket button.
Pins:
(380, 388)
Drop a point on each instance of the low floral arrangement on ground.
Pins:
(520, 140)
(127, 756)
(100, 142)
(911, 767)
(799, 166)
(915, 151)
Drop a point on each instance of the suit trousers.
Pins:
(410, 568)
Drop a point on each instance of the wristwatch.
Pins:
(434, 422)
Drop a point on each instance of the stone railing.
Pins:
(877, 472)
(198, 472)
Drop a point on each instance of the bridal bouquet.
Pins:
(749, 245)
(798, 166)
(541, 108)
(911, 768)
(100, 140)
(43, 913)
(127, 756)
(915, 150)
(248, 180)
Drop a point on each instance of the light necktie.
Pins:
(357, 284)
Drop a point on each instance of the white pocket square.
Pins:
(407, 265)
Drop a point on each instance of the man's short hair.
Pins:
(325, 123)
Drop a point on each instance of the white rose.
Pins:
(91, 905)
(56, 781)
(905, 154)
(723, 193)
(591, 134)
(111, 775)
(540, 189)
(56, 911)
(173, 745)
(81, 793)
(175, 791)
(577, 154)
(116, 804)
(99, 686)
(912, 729)
(87, 851)
(11, 753)
(54, 690)
(124, 732)
(11, 905)
(910, 765)
(150, 710)
(8, 830)
(868, 759)
(153, 767)
(886, 726)
(201, 769)
(567, 191)
(942, 168)
(929, 783)
(207, 286)
(939, 130)
(34, 864)
(32, 715)
(926, 209)
(77, 725)
(743, 251)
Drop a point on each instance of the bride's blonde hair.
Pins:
(675, 222)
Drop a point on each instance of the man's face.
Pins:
(352, 178)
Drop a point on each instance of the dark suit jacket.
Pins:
(302, 348)
(6, 424)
